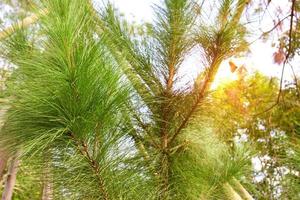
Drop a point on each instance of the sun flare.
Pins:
(225, 74)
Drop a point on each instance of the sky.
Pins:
(261, 53)
(260, 58)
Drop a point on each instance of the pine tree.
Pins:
(102, 112)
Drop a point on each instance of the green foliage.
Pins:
(243, 107)
(204, 164)
(101, 111)
(151, 64)
(67, 104)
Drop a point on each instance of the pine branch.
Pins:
(217, 57)
(136, 67)
(22, 24)
(83, 149)
(205, 87)
(137, 140)
(174, 20)
(241, 5)
(145, 128)
(170, 78)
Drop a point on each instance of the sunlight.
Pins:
(245, 66)
(225, 74)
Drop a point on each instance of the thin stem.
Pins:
(207, 84)
(272, 29)
(22, 24)
(83, 149)
(285, 61)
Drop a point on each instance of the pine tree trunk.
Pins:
(242, 191)
(231, 193)
(47, 190)
(11, 179)
(3, 154)
(3, 161)
(47, 193)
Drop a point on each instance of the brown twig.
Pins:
(83, 149)
(272, 29)
(285, 61)
(206, 85)
(295, 80)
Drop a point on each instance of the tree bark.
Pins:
(231, 194)
(3, 161)
(11, 179)
(242, 191)
(3, 154)
(47, 193)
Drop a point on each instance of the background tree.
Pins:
(274, 134)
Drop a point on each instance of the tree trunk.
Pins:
(47, 190)
(3, 154)
(47, 193)
(231, 193)
(11, 179)
(3, 161)
(242, 191)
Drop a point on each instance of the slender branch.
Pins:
(165, 106)
(139, 144)
(285, 61)
(22, 24)
(295, 80)
(171, 77)
(83, 149)
(152, 142)
(213, 69)
(206, 85)
(138, 140)
(290, 47)
(241, 5)
(272, 29)
(276, 25)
